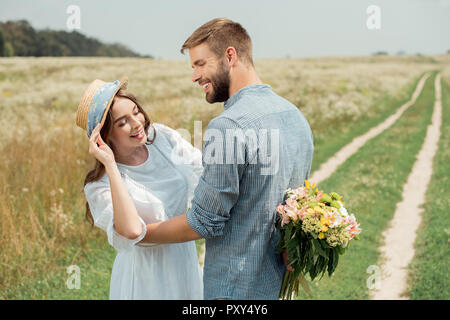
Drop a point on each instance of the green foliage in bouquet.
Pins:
(315, 230)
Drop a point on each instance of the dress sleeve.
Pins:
(98, 195)
(184, 154)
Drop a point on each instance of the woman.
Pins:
(138, 180)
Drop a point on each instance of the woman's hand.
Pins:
(99, 149)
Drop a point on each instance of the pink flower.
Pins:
(298, 193)
(280, 210)
(319, 195)
(292, 214)
(291, 209)
(285, 220)
(284, 213)
(301, 213)
(353, 226)
(291, 203)
(301, 192)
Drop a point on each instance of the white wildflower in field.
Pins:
(42, 92)
(43, 149)
(59, 219)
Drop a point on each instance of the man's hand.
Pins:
(285, 256)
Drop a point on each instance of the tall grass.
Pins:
(41, 201)
(44, 157)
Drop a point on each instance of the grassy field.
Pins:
(327, 145)
(44, 156)
(371, 183)
(428, 273)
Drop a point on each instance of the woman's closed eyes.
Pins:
(125, 120)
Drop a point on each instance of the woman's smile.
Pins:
(139, 135)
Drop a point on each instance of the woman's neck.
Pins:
(132, 156)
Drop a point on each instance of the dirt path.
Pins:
(400, 236)
(327, 168)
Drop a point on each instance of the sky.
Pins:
(278, 28)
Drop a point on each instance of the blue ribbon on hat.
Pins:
(99, 103)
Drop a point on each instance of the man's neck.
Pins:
(242, 77)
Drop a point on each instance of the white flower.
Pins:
(337, 221)
(343, 211)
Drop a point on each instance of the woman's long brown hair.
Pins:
(99, 169)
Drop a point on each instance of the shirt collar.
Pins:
(250, 88)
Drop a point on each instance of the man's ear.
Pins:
(231, 56)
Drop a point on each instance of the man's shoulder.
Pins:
(224, 121)
(251, 110)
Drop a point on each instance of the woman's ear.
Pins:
(110, 143)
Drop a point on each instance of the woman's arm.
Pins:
(126, 219)
(174, 230)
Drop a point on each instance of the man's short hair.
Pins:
(219, 34)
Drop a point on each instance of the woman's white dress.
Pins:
(161, 188)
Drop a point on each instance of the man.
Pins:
(242, 183)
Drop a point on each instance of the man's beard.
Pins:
(220, 83)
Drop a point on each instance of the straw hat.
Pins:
(96, 101)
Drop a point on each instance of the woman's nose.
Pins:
(135, 122)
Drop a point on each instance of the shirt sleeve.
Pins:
(98, 195)
(218, 187)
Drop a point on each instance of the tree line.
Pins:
(19, 38)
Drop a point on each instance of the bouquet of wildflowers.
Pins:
(315, 229)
